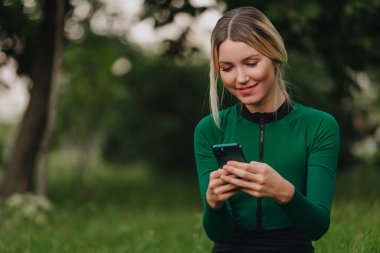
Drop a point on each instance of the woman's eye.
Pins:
(251, 64)
(225, 69)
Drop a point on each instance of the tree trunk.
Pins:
(19, 175)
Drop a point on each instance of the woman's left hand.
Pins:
(259, 180)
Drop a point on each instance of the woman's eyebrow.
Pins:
(252, 56)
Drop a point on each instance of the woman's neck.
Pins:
(268, 106)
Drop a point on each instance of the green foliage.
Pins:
(88, 88)
(155, 120)
(147, 115)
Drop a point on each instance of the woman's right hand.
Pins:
(219, 191)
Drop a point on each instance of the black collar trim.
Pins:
(265, 117)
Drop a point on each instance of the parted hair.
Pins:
(251, 26)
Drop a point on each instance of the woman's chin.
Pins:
(250, 100)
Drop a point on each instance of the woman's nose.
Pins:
(242, 77)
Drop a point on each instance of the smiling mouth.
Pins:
(246, 89)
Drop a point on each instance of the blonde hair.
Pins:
(248, 25)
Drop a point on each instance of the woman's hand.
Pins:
(258, 180)
(218, 190)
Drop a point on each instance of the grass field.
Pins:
(134, 211)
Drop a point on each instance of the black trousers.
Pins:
(287, 240)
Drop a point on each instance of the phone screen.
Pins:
(228, 152)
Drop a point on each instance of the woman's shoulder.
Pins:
(319, 127)
(312, 122)
(205, 123)
(312, 115)
(208, 123)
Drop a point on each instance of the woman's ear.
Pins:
(276, 65)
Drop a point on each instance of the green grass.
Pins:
(355, 221)
(112, 210)
(354, 228)
(133, 210)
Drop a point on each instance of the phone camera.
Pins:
(219, 152)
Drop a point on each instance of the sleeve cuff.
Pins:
(218, 212)
(295, 201)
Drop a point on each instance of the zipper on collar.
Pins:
(261, 159)
(263, 118)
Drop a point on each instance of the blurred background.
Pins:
(99, 100)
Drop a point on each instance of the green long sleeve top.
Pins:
(302, 147)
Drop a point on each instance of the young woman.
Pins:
(280, 200)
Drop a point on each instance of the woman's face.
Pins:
(248, 75)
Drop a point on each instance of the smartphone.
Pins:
(228, 152)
